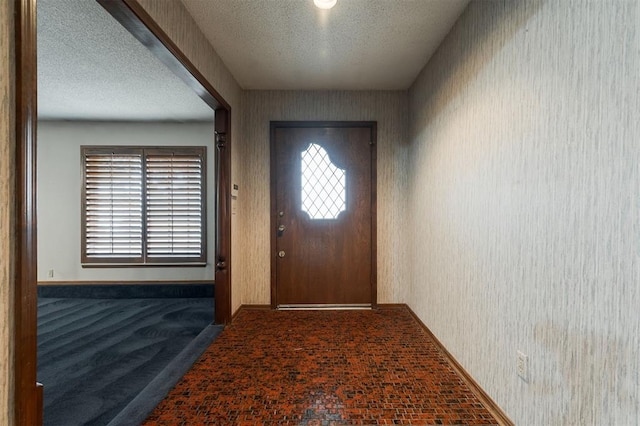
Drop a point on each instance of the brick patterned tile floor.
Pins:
(321, 368)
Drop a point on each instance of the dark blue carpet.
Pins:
(96, 355)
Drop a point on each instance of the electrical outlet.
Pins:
(50, 274)
(522, 365)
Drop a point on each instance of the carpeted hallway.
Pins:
(322, 368)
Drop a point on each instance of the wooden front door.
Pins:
(323, 214)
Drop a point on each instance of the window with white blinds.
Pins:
(143, 205)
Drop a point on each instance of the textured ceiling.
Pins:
(359, 44)
(91, 68)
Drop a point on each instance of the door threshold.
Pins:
(325, 307)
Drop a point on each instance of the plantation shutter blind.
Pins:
(175, 204)
(113, 205)
(143, 205)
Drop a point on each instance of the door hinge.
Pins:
(221, 139)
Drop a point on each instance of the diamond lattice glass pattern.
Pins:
(324, 189)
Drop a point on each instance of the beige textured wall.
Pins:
(389, 109)
(524, 196)
(7, 219)
(174, 19)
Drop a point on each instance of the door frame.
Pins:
(373, 125)
(27, 393)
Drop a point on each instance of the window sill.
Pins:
(145, 265)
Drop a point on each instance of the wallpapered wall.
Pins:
(389, 109)
(7, 212)
(176, 22)
(524, 199)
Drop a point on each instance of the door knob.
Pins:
(281, 253)
(281, 228)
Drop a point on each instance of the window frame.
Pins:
(88, 261)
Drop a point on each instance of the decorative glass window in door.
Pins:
(324, 189)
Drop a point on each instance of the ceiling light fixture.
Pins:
(325, 4)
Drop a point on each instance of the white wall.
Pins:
(524, 194)
(59, 185)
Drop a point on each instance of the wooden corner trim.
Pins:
(27, 403)
(487, 401)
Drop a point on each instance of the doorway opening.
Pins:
(28, 395)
